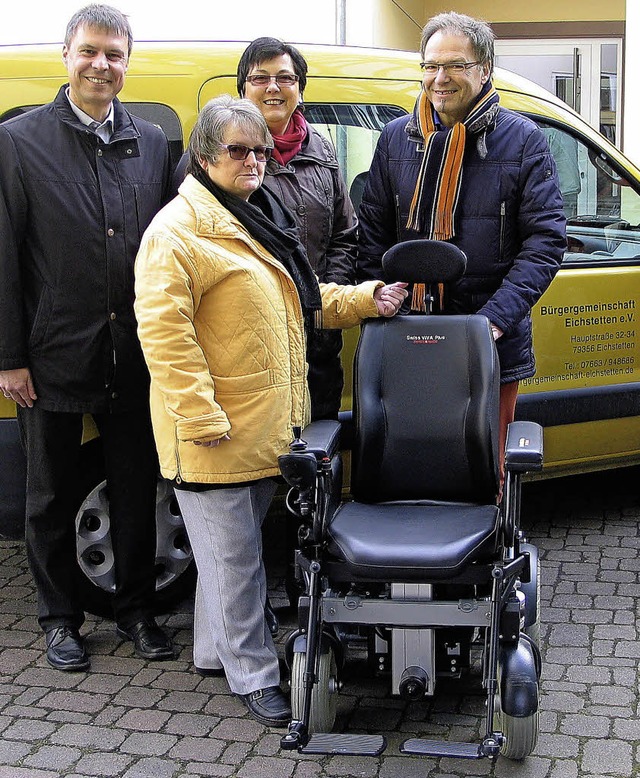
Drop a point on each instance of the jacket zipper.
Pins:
(178, 463)
(398, 227)
(503, 213)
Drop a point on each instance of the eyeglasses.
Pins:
(450, 68)
(239, 152)
(282, 79)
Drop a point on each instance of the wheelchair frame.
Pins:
(494, 597)
(511, 666)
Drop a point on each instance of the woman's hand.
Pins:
(211, 443)
(389, 298)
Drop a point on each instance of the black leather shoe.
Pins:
(149, 641)
(65, 649)
(209, 672)
(271, 618)
(268, 706)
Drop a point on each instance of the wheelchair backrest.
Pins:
(426, 395)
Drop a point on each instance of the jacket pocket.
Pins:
(242, 384)
(41, 319)
(400, 225)
(503, 229)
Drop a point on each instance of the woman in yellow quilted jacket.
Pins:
(224, 294)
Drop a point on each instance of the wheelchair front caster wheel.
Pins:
(520, 733)
(324, 698)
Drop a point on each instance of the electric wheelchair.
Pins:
(420, 562)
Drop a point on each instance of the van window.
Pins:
(601, 204)
(16, 112)
(354, 131)
(156, 113)
(164, 117)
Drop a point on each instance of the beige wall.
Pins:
(540, 11)
(399, 29)
(397, 24)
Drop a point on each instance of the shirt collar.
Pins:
(436, 119)
(104, 129)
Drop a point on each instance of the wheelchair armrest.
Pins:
(524, 447)
(322, 438)
(320, 441)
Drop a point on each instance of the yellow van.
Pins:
(586, 392)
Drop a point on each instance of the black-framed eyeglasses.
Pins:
(239, 152)
(450, 68)
(282, 79)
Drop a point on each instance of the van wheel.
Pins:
(175, 569)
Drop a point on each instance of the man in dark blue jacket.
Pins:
(465, 170)
(80, 180)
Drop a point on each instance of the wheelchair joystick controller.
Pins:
(413, 683)
(297, 444)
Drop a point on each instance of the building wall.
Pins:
(540, 11)
(399, 28)
(631, 84)
(397, 23)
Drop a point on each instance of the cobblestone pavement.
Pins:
(131, 718)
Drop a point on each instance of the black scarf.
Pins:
(268, 221)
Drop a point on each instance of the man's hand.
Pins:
(389, 298)
(17, 385)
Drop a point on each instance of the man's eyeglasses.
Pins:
(239, 152)
(450, 68)
(282, 79)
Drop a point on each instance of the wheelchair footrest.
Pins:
(441, 748)
(351, 745)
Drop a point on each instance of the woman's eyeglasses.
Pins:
(282, 79)
(239, 152)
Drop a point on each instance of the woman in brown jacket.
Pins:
(303, 173)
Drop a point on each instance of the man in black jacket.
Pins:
(80, 179)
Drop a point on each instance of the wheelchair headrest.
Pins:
(424, 261)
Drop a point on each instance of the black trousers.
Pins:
(52, 444)
(325, 376)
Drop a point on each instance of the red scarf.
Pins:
(290, 143)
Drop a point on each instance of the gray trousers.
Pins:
(225, 532)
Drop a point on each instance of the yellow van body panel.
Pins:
(591, 446)
(585, 328)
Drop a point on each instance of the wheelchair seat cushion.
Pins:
(412, 540)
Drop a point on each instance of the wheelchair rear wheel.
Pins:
(324, 698)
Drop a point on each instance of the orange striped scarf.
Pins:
(433, 206)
